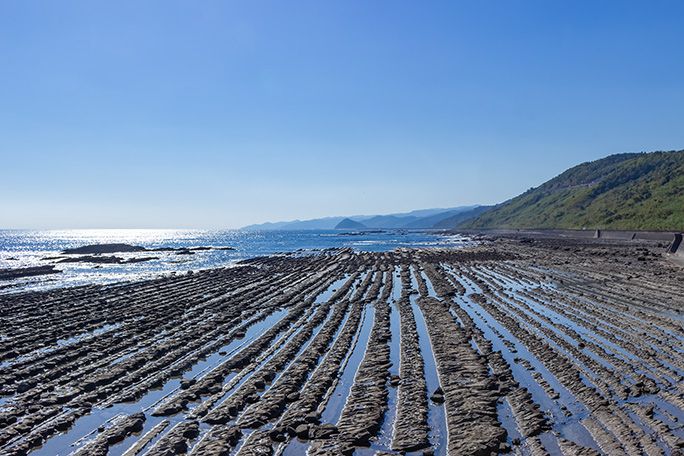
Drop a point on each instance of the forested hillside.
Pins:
(624, 191)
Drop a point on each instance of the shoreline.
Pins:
(95, 258)
(633, 235)
(562, 343)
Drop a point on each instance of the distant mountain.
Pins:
(433, 220)
(265, 226)
(388, 221)
(420, 219)
(636, 191)
(420, 213)
(458, 218)
(327, 223)
(349, 224)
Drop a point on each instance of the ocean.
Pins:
(31, 248)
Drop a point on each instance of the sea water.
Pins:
(29, 248)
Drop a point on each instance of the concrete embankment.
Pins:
(673, 238)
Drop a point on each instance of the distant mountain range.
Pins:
(420, 219)
(455, 220)
(635, 191)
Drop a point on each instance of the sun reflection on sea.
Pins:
(169, 251)
(108, 236)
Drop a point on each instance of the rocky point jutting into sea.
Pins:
(516, 345)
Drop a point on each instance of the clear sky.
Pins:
(218, 114)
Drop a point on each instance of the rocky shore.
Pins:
(536, 345)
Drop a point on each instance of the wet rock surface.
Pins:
(15, 273)
(540, 346)
(364, 409)
(410, 431)
(96, 249)
(121, 429)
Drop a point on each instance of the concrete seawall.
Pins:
(673, 238)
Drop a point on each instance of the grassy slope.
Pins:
(625, 191)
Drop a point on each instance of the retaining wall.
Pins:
(674, 238)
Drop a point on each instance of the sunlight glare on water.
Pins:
(29, 248)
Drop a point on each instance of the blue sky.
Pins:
(218, 114)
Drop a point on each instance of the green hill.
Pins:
(643, 191)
